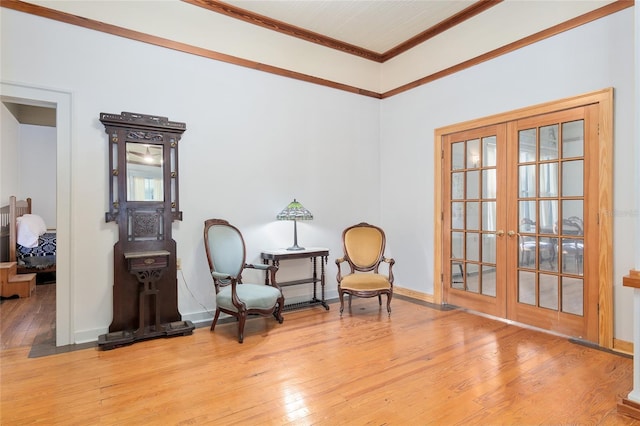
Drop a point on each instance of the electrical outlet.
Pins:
(178, 263)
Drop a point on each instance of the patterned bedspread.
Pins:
(46, 247)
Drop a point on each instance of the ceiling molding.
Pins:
(534, 38)
(284, 28)
(68, 18)
(456, 19)
(310, 36)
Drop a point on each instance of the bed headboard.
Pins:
(8, 230)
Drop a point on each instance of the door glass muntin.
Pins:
(551, 240)
(473, 214)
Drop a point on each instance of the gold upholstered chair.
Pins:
(363, 246)
(226, 253)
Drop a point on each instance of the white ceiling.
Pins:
(376, 25)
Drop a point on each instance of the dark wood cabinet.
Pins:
(143, 201)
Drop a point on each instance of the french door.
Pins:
(519, 214)
(475, 216)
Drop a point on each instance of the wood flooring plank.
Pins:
(24, 319)
(419, 366)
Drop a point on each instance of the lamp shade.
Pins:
(295, 211)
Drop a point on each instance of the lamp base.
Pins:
(295, 245)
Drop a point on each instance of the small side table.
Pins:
(311, 253)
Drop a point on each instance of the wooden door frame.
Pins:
(604, 98)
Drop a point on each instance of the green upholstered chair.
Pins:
(363, 246)
(226, 253)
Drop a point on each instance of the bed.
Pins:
(38, 256)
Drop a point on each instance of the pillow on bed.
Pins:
(30, 227)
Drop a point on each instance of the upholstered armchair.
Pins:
(363, 246)
(226, 253)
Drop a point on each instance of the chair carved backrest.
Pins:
(226, 251)
(226, 255)
(364, 247)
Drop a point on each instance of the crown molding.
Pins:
(310, 36)
(194, 50)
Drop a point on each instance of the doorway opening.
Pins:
(23, 96)
(29, 152)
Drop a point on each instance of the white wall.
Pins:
(37, 172)
(9, 137)
(254, 141)
(589, 58)
(27, 156)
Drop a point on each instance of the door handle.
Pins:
(511, 233)
(500, 233)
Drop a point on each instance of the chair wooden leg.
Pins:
(380, 300)
(278, 312)
(389, 303)
(341, 294)
(242, 317)
(215, 319)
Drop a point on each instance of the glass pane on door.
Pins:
(572, 295)
(550, 217)
(473, 215)
(573, 139)
(457, 156)
(548, 142)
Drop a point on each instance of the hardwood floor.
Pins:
(421, 366)
(23, 321)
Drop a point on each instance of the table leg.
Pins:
(266, 273)
(323, 261)
(315, 278)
